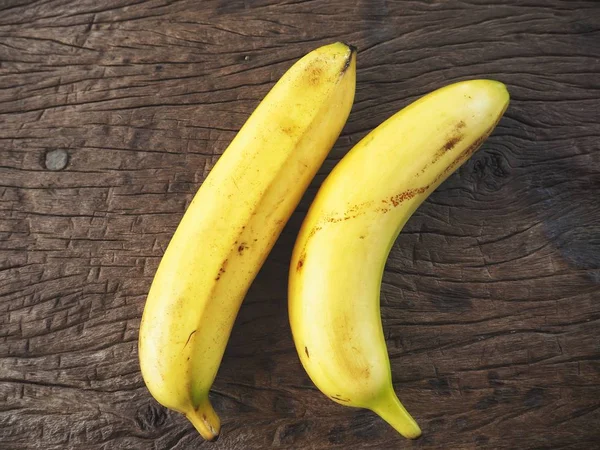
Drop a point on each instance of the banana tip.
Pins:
(389, 408)
(353, 48)
(206, 421)
(413, 434)
(349, 57)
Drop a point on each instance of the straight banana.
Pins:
(340, 253)
(231, 226)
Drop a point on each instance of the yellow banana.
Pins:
(340, 253)
(231, 226)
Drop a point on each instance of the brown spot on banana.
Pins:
(451, 143)
(300, 262)
(303, 254)
(313, 231)
(351, 213)
(289, 130)
(188, 339)
(222, 269)
(407, 195)
(466, 153)
(316, 72)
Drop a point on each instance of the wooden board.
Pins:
(111, 114)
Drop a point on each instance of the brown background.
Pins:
(491, 296)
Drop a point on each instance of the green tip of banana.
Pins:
(205, 420)
(390, 409)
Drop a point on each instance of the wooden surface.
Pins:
(111, 114)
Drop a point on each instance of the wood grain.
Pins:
(113, 112)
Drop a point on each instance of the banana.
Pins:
(340, 253)
(231, 225)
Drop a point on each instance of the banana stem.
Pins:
(389, 408)
(205, 420)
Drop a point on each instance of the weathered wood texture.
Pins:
(491, 297)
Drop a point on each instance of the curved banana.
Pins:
(231, 226)
(340, 253)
